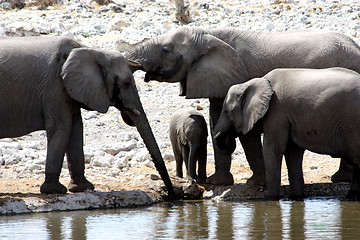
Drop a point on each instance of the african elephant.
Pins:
(208, 62)
(44, 83)
(188, 136)
(298, 109)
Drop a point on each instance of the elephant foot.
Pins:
(256, 180)
(220, 179)
(80, 186)
(201, 180)
(353, 195)
(50, 187)
(343, 175)
(271, 198)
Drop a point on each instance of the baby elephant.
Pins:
(188, 136)
(314, 109)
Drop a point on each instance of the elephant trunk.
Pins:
(143, 127)
(224, 135)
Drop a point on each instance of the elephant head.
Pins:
(204, 65)
(244, 105)
(99, 79)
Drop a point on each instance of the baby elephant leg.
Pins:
(179, 161)
(201, 159)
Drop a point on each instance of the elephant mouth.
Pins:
(126, 113)
(227, 141)
(159, 73)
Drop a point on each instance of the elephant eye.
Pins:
(166, 49)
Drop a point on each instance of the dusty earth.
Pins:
(317, 169)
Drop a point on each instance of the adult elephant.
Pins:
(299, 109)
(208, 62)
(44, 83)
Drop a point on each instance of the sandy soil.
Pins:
(317, 169)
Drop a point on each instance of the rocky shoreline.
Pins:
(116, 158)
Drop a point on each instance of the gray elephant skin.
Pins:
(298, 109)
(208, 62)
(188, 135)
(45, 81)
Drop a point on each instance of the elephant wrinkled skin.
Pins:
(314, 109)
(208, 62)
(44, 83)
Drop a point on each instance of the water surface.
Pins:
(316, 218)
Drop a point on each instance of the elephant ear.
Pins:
(254, 102)
(84, 80)
(218, 68)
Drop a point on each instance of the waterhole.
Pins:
(316, 218)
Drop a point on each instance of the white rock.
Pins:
(117, 25)
(269, 26)
(149, 163)
(10, 145)
(68, 34)
(122, 146)
(2, 30)
(168, 156)
(121, 163)
(33, 167)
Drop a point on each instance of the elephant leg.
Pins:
(57, 138)
(179, 161)
(201, 159)
(354, 192)
(273, 161)
(75, 157)
(192, 162)
(294, 157)
(185, 156)
(222, 175)
(345, 172)
(252, 146)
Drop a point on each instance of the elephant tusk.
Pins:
(135, 111)
(218, 135)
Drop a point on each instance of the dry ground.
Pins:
(317, 169)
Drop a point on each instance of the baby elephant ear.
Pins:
(255, 102)
(218, 68)
(83, 78)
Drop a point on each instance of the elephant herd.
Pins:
(300, 89)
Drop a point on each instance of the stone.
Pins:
(154, 177)
(117, 25)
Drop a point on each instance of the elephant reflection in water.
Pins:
(190, 220)
(184, 220)
(269, 221)
(220, 220)
(58, 228)
(349, 225)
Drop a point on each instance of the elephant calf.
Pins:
(44, 83)
(188, 136)
(314, 109)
